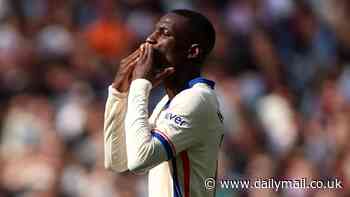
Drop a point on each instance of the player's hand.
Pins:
(146, 69)
(123, 77)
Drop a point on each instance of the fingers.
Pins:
(131, 56)
(145, 51)
(166, 73)
(163, 75)
(122, 83)
(144, 66)
(134, 56)
(129, 72)
(150, 52)
(124, 74)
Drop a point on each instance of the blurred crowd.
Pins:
(282, 70)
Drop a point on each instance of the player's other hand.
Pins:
(123, 77)
(146, 69)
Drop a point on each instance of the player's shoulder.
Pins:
(197, 98)
(200, 90)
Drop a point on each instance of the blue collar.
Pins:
(194, 81)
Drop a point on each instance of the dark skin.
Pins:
(167, 57)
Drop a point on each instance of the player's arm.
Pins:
(115, 111)
(114, 135)
(173, 133)
(147, 147)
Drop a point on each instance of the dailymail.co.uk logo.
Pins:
(178, 120)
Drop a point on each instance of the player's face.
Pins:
(170, 40)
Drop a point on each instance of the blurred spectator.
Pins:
(277, 119)
(108, 35)
(282, 73)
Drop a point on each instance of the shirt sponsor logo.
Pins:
(178, 120)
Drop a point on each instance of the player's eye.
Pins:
(165, 32)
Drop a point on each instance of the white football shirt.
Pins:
(178, 145)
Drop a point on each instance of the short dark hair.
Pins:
(201, 28)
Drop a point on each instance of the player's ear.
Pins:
(194, 51)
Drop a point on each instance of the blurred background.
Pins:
(282, 69)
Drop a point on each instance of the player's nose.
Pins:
(151, 39)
